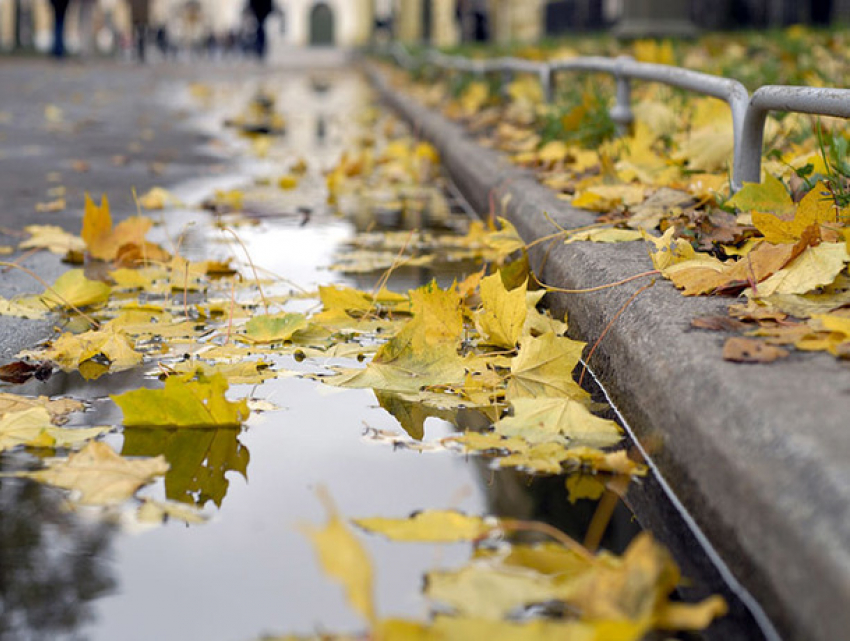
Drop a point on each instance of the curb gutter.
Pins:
(758, 454)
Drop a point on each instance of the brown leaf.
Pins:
(751, 350)
(19, 372)
(718, 323)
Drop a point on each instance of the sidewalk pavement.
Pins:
(759, 454)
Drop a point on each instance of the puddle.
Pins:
(250, 570)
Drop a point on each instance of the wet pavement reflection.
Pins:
(249, 570)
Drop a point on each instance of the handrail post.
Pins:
(621, 112)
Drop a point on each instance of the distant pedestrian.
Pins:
(261, 10)
(60, 8)
(140, 17)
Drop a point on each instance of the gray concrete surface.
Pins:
(759, 454)
(102, 127)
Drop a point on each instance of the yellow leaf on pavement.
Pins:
(52, 238)
(99, 475)
(430, 526)
(97, 227)
(73, 288)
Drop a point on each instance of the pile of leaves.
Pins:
(782, 244)
(481, 344)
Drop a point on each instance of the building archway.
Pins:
(322, 25)
(426, 21)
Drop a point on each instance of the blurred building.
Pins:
(344, 23)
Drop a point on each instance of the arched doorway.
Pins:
(321, 25)
(426, 21)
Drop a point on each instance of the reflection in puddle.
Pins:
(249, 569)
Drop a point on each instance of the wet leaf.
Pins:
(53, 238)
(503, 312)
(271, 328)
(344, 559)
(98, 475)
(34, 427)
(430, 526)
(605, 235)
(544, 367)
(71, 351)
(543, 419)
(73, 288)
(151, 511)
(182, 403)
(58, 408)
(19, 372)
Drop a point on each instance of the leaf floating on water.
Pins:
(182, 403)
(344, 559)
(544, 367)
(272, 328)
(34, 427)
(151, 511)
(430, 526)
(540, 419)
(98, 475)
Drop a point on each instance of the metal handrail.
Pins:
(807, 100)
(748, 114)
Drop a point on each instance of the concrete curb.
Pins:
(758, 454)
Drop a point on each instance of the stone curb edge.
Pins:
(758, 454)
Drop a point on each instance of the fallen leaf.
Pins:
(541, 419)
(98, 475)
(344, 559)
(544, 367)
(503, 312)
(751, 350)
(429, 526)
(182, 403)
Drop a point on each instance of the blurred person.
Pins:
(261, 9)
(60, 9)
(140, 17)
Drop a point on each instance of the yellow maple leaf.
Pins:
(544, 367)
(538, 420)
(816, 208)
(97, 227)
(344, 559)
(503, 312)
(182, 403)
(767, 196)
(429, 526)
(73, 289)
(815, 267)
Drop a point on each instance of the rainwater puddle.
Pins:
(250, 570)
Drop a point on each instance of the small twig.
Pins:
(608, 326)
(23, 257)
(516, 525)
(251, 263)
(588, 290)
